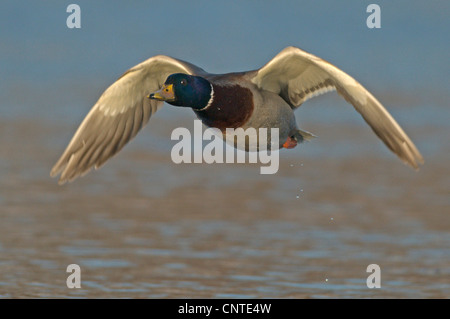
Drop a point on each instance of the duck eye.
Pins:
(183, 82)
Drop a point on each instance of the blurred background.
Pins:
(145, 227)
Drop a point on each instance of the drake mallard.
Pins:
(266, 97)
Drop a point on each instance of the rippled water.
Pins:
(143, 227)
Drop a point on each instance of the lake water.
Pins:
(144, 227)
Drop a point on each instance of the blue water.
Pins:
(50, 71)
(145, 227)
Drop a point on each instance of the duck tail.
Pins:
(304, 136)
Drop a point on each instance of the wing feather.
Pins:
(120, 112)
(298, 76)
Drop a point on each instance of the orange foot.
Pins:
(290, 143)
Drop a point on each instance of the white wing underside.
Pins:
(298, 76)
(120, 112)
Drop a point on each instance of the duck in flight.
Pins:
(263, 98)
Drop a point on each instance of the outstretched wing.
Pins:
(120, 112)
(298, 76)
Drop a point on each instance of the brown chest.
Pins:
(231, 107)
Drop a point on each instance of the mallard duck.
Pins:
(266, 97)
